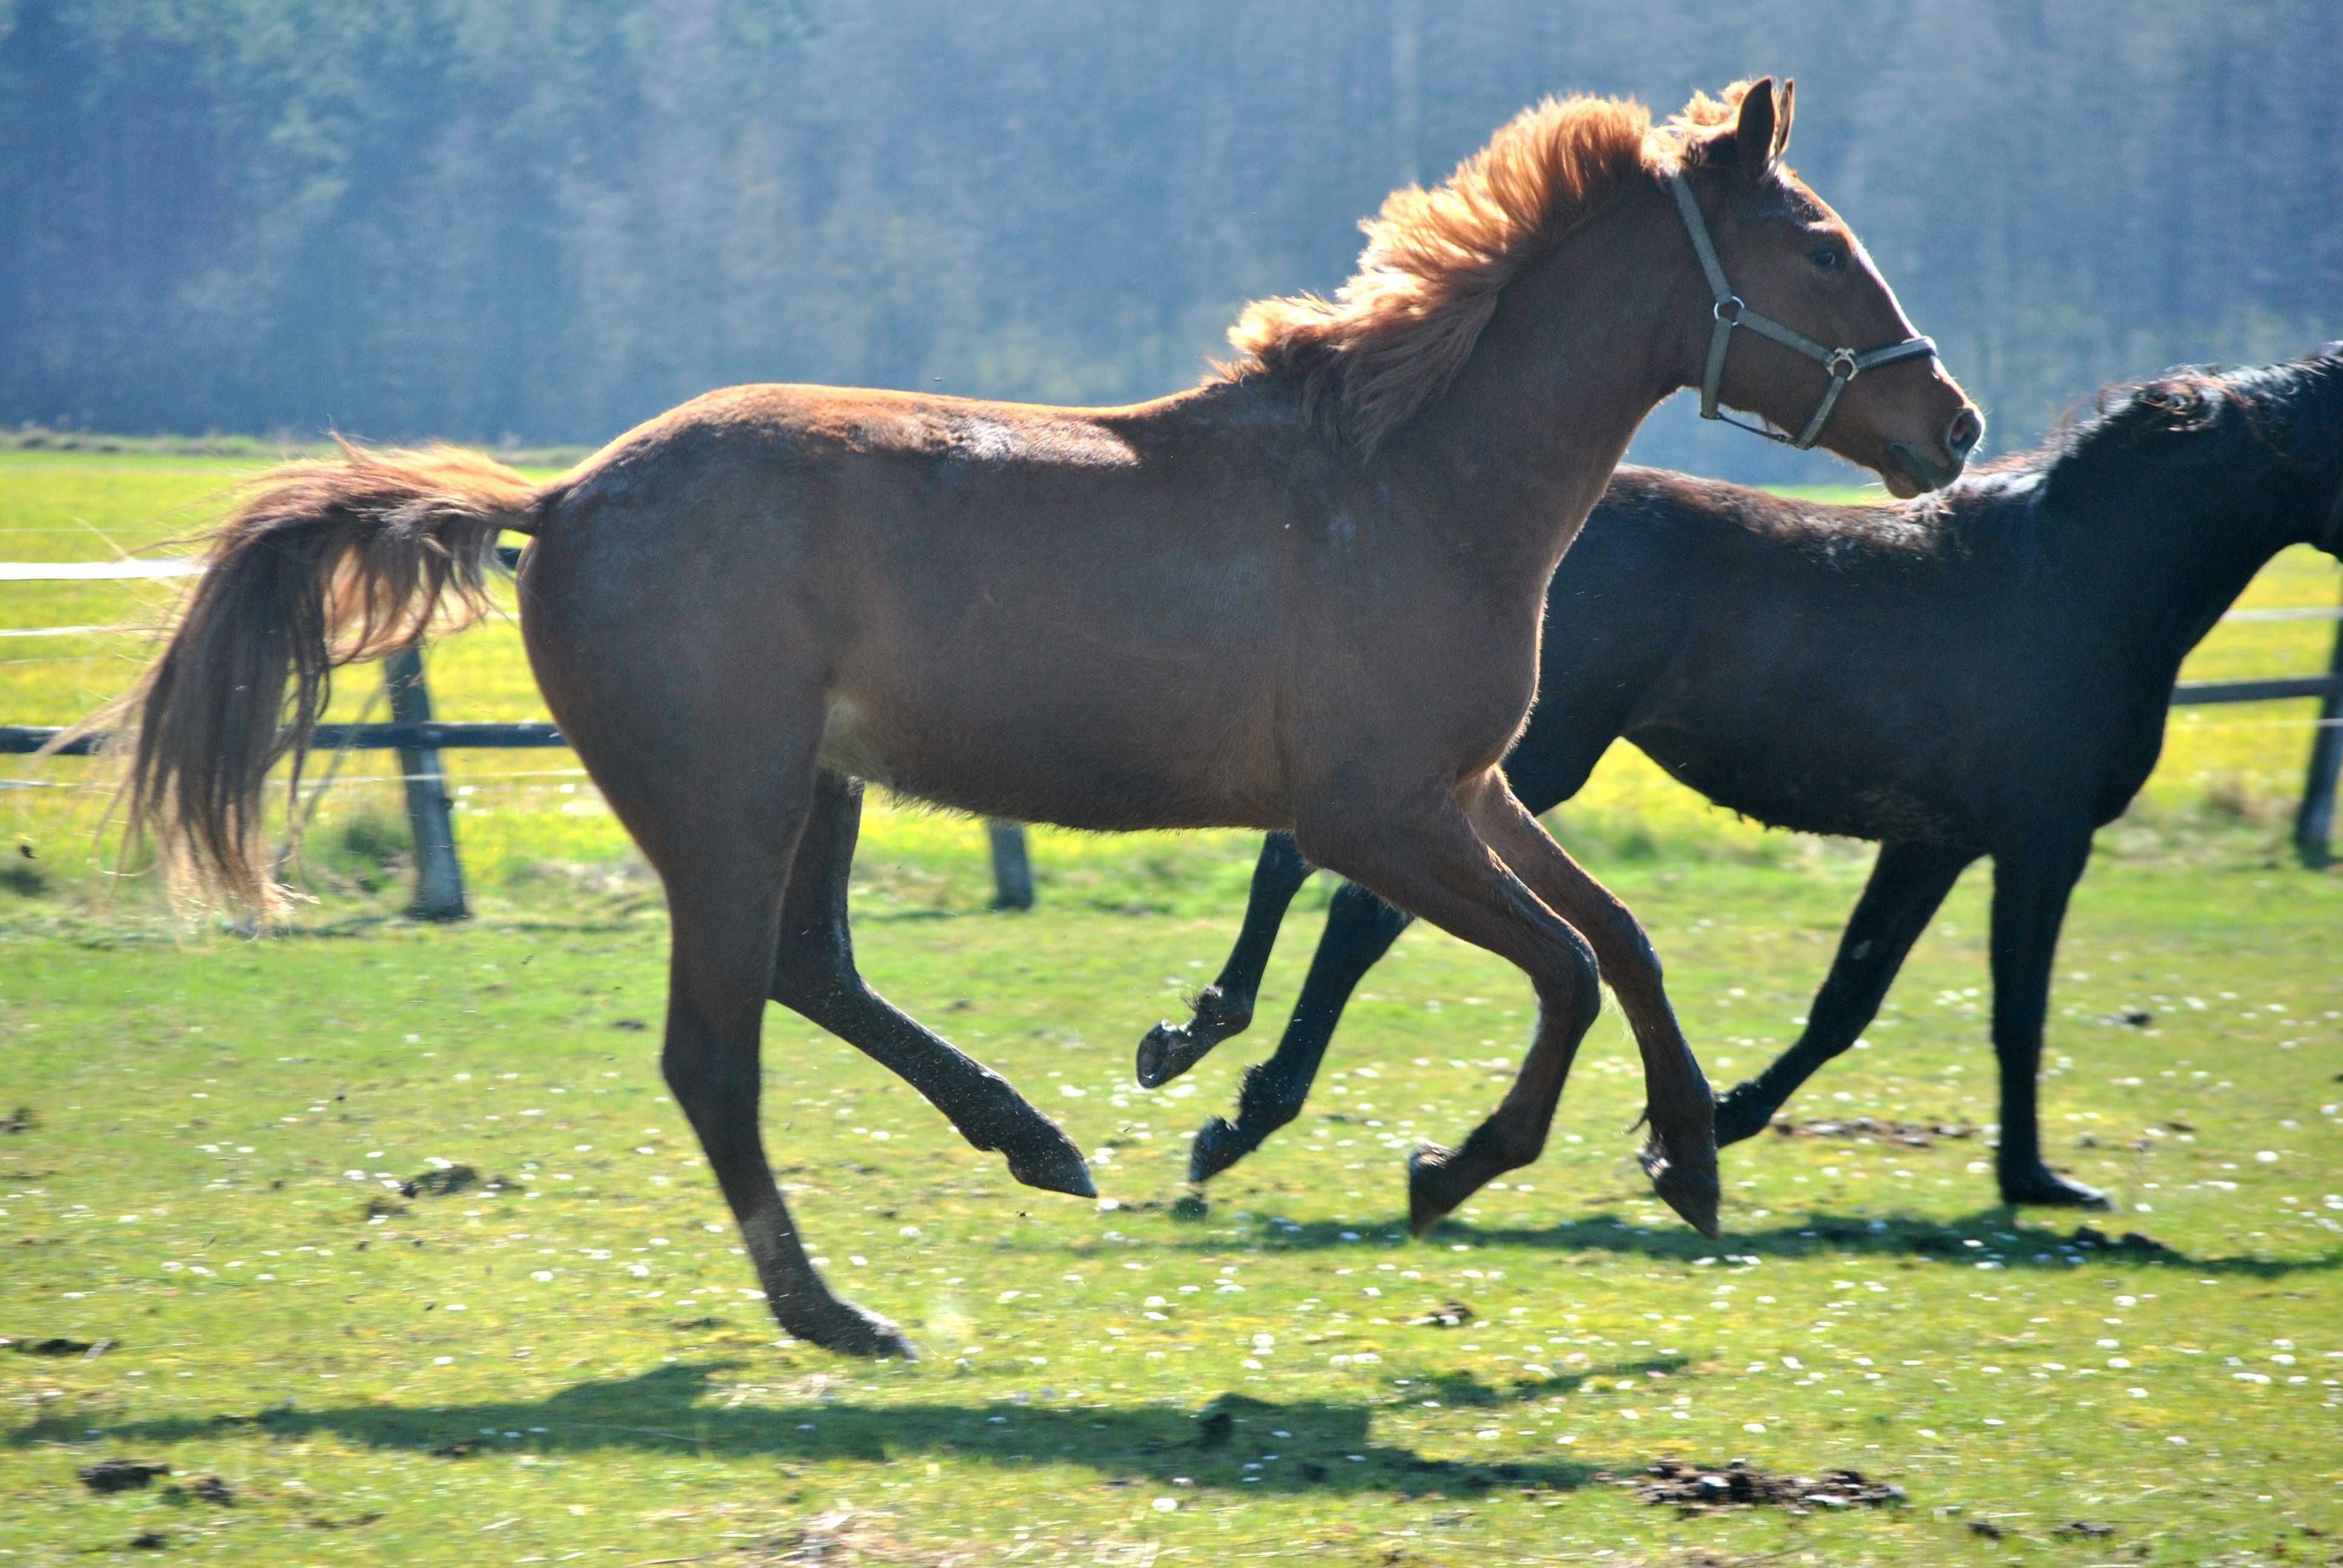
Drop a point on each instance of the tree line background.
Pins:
(501, 220)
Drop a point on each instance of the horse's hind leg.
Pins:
(1360, 928)
(1225, 1007)
(1682, 1157)
(813, 973)
(724, 897)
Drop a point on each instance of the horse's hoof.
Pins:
(1052, 1163)
(1741, 1114)
(1164, 1055)
(1690, 1186)
(2045, 1187)
(1428, 1202)
(852, 1331)
(1219, 1144)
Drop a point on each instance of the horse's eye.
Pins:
(1830, 259)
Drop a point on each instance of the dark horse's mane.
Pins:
(2181, 427)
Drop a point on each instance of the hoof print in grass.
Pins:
(110, 1475)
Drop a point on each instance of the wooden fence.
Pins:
(418, 738)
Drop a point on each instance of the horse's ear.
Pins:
(1756, 138)
(1785, 109)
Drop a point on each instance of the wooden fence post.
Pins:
(1012, 869)
(438, 875)
(2314, 820)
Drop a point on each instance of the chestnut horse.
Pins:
(1306, 595)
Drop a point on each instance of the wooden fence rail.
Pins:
(418, 739)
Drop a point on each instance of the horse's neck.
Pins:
(2173, 565)
(1580, 349)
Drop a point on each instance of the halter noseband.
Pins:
(1844, 364)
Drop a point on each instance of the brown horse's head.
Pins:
(1788, 255)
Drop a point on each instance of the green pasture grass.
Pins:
(565, 1362)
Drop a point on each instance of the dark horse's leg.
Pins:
(2030, 889)
(1360, 928)
(814, 974)
(1908, 883)
(1682, 1156)
(1225, 1008)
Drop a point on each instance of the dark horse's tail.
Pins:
(322, 564)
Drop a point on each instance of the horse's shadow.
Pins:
(688, 1407)
(1989, 1237)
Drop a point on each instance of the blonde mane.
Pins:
(1398, 332)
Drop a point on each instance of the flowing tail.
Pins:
(322, 564)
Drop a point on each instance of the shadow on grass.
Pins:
(1989, 1236)
(1317, 1445)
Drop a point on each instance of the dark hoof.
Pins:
(1689, 1186)
(2045, 1187)
(1431, 1188)
(1742, 1114)
(1048, 1159)
(1220, 1144)
(1168, 1050)
(851, 1330)
(1172, 1049)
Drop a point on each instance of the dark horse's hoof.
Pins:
(1690, 1186)
(1219, 1143)
(1047, 1159)
(852, 1331)
(1172, 1049)
(1431, 1192)
(2045, 1187)
(1740, 1114)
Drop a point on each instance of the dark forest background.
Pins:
(539, 221)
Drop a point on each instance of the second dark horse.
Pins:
(1984, 673)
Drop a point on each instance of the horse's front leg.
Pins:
(1908, 884)
(1681, 1159)
(2030, 889)
(1225, 1008)
(813, 973)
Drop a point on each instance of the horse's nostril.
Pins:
(1966, 431)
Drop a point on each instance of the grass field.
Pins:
(550, 1352)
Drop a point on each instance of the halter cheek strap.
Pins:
(1844, 364)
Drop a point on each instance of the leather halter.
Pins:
(1844, 364)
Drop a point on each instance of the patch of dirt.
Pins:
(59, 1346)
(110, 1475)
(443, 1182)
(24, 1119)
(2083, 1529)
(211, 1489)
(1455, 1315)
(1741, 1483)
(1866, 1129)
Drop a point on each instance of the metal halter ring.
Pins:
(1842, 365)
(1717, 310)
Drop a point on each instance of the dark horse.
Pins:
(1305, 596)
(1984, 673)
